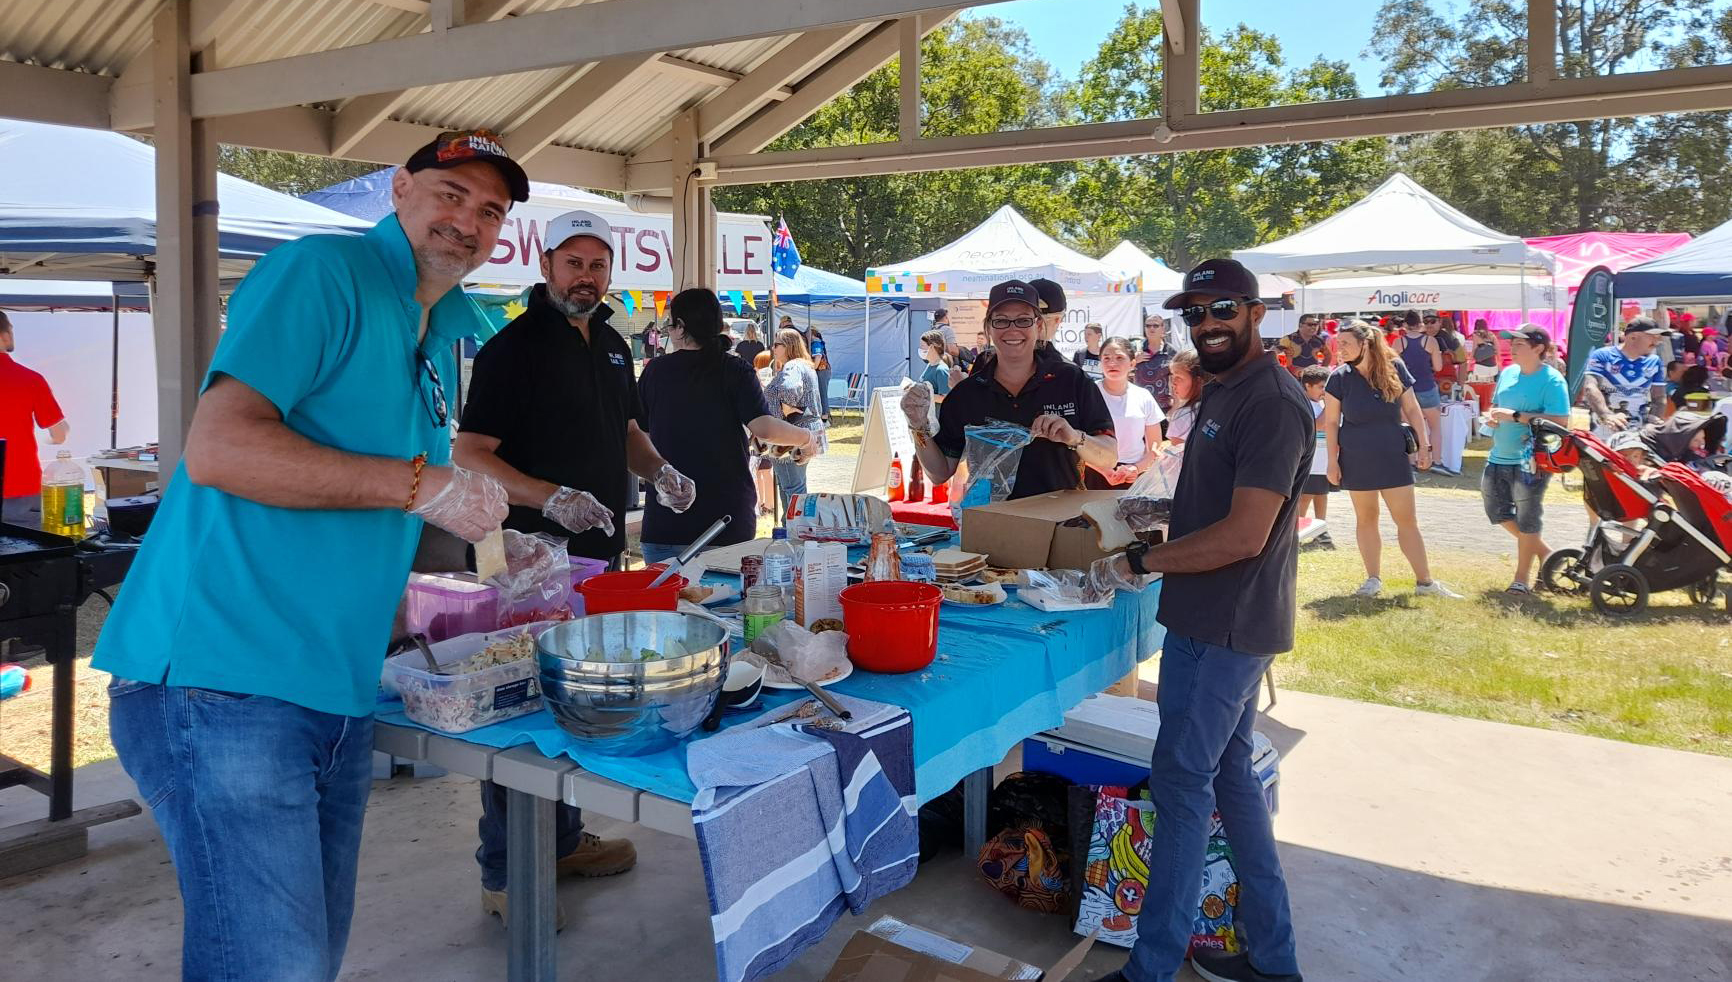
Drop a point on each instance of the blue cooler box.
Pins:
(1109, 740)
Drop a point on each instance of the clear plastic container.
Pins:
(462, 702)
(444, 607)
(63, 497)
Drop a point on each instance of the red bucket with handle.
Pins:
(892, 626)
(607, 593)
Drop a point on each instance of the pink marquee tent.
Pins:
(1577, 253)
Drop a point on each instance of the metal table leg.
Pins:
(974, 791)
(529, 865)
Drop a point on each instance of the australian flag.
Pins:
(785, 255)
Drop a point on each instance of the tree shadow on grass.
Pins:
(1342, 608)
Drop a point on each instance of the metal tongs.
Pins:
(686, 555)
(766, 649)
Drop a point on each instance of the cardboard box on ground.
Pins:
(1046, 531)
(893, 951)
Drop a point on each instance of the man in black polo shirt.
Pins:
(1227, 602)
(553, 415)
(1062, 408)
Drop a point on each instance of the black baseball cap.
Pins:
(1215, 278)
(1535, 336)
(455, 148)
(1051, 295)
(1012, 291)
(1643, 325)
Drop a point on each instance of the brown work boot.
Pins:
(499, 902)
(596, 856)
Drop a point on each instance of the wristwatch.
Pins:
(1516, 415)
(1134, 554)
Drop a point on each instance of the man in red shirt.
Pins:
(25, 404)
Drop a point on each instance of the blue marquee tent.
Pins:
(1698, 270)
(813, 285)
(81, 204)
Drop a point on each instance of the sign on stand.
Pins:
(887, 435)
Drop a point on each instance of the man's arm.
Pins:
(480, 452)
(1594, 397)
(57, 432)
(239, 444)
(1239, 536)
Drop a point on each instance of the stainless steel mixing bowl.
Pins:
(602, 690)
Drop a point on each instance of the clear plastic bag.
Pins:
(813, 657)
(536, 583)
(992, 453)
(1149, 502)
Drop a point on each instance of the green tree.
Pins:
(1564, 176)
(290, 173)
(1188, 206)
(978, 75)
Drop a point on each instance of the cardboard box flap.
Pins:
(1072, 959)
(1030, 533)
(893, 951)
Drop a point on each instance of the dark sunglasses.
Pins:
(1222, 310)
(433, 393)
(1430, 320)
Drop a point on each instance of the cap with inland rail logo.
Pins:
(575, 223)
(1012, 291)
(1213, 279)
(455, 148)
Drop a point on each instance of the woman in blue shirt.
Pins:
(937, 372)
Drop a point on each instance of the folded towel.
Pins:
(796, 821)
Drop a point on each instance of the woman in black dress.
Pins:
(1364, 403)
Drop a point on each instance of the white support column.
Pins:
(694, 244)
(184, 302)
(1542, 43)
(910, 121)
(1180, 69)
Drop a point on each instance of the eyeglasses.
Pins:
(1006, 323)
(1431, 320)
(1307, 323)
(433, 393)
(1222, 310)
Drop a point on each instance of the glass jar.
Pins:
(883, 562)
(763, 607)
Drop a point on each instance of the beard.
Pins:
(1219, 360)
(448, 254)
(571, 306)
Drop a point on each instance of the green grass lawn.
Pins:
(1664, 678)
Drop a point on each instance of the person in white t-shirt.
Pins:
(1315, 493)
(1136, 419)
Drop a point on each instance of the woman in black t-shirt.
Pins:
(700, 404)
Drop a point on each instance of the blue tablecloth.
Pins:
(1002, 674)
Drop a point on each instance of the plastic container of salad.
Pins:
(476, 689)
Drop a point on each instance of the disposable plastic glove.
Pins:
(1143, 514)
(1108, 574)
(578, 511)
(674, 490)
(917, 407)
(469, 505)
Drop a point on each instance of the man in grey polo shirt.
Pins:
(1227, 601)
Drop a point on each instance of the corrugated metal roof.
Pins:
(97, 36)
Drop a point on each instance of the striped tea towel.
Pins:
(796, 822)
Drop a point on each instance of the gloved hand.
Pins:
(1107, 574)
(1143, 513)
(468, 504)
(917, 407)
(578, 511)
(674, 490)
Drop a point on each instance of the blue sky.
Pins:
(1067, 33)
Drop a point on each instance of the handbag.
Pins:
(1116, 875)
(1409, 438)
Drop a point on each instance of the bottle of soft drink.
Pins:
(894, 491)
(63, 497)
(779, 568)
(916, 481)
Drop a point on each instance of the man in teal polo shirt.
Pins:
(1513, 489)
(247, 644)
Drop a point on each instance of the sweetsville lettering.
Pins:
(645, 250)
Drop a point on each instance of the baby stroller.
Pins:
(1670, 440)
(1643, 539)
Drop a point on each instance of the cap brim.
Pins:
(1178, 300)
(992, 307)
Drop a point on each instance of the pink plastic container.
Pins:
(444, 606)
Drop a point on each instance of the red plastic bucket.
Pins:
(606, 593)
(892, 626)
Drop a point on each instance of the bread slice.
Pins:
(1111, 531)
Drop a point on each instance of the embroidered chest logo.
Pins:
(617, 358)
(1067, 409)
(1211, 427)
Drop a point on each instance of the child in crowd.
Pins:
(1315, 494)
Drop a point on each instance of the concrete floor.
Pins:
(1418, 847)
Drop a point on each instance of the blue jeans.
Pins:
(260, 802)
(567, 835)
(654, 552)
(1202, 764)
(790, 480)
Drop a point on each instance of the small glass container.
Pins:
(764, 606)
(884, 562)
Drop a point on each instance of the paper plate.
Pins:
(847, 670)
(724, 593)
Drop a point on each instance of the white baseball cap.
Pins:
(574, 223)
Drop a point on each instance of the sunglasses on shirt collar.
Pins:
(1224, 309)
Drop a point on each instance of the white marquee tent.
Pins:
(1160, 281)
(1005, 246)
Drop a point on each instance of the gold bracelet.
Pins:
(420, 462)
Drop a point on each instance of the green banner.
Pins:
(1590, 323)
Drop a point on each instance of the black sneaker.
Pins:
(1218, 966)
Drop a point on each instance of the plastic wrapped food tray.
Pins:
(466, 701)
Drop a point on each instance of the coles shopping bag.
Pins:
(1116, 876)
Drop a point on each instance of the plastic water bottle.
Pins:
(63, 497)
(779, 563)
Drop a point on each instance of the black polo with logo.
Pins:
(559, 406)
(1253, 430)
(1056, 387)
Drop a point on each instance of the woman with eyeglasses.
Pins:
(700, 403)
(792, 392)
(1061, 407)
(1364, 403)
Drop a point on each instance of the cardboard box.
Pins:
(892, 951)
(1032, 533)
